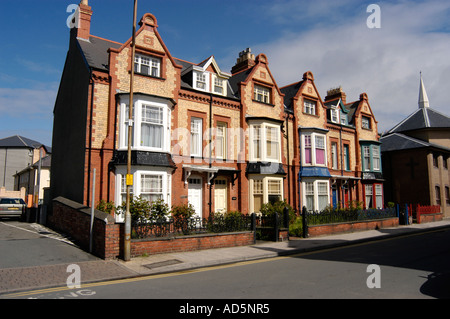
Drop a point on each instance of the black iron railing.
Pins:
(167, 227)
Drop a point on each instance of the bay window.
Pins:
(320, 149)
(265, 142)
(316, 194)
(264, 189)
(373, 196)
(368, 196)
(371, 158)
(149, 183)
(150, 125)
(314, 149)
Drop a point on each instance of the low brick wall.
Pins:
(74, 220)
(428, 218)
(329, 229)
(153, 246)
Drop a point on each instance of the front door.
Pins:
(195, 195)
(335, 197)
(220, 196)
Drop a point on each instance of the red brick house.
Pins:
(220, 141)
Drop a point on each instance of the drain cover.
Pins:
(163, 263)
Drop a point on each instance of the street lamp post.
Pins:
(129, 179)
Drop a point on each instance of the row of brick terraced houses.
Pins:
(220, 141)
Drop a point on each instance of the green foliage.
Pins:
(107, 207)
(142, 210)
(182, 211)
(296, 227)
(269, 209)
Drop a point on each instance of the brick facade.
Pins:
(262, 157)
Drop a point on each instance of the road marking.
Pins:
(209, 268)
(39, 228)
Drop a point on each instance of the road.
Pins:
(28, 245)
(414, 266)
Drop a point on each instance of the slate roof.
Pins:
(96, 52)
(17, 141)
(289, 92)
(398, 142)
(186, 79)
(421, 119)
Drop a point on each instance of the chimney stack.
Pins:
(336, 93)
(84, 26)
(246, 60)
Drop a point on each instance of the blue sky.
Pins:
(329, 38)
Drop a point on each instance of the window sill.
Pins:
(264, 103)
(148, 76)
(314, 115)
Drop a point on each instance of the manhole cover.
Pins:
(163, 263)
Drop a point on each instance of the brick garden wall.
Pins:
(73, 219)
(190, 243)
(429, 218)
(329, 229)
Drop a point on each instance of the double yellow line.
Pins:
(198, 270)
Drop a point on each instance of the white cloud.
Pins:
(27, 103)
(385, 63)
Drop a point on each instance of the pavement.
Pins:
(14, 280)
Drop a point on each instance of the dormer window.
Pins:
(344, 119)
(147, 65)
(200, 82)
(334, 115)
(218, 85)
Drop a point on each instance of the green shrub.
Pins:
(182, 211)
(142, 210)
(107, 207)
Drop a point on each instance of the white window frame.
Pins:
(265, 191)
(334, 112)
(261, 94)
(313, 136)
(196, 135)
(376, 158)
(365, 122)
(315, 192)
(368, 196)
(137, 190)
(379, 196)
(309, 106)
(366, 159)
(153, 64)
(221, 135)
(219, 85)
(263, 128)
(138, 121)
(201, 81)
(334, 155)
